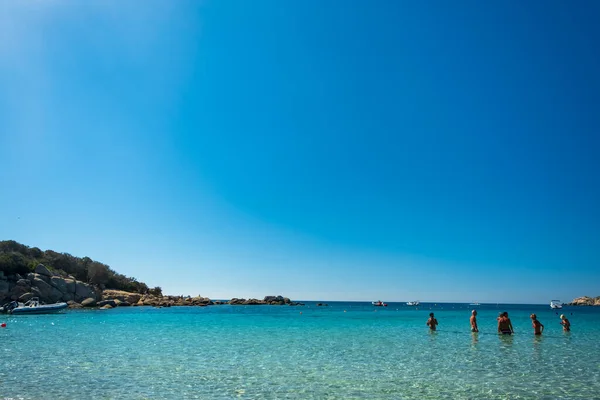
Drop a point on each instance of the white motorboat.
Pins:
(413, 303)
(555, 304)
(33, 306)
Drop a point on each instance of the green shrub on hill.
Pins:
(17, 258)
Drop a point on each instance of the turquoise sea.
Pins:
(346, 350)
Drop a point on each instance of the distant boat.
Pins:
(33, 306)
(413, 303)
(379, 303)
(474, 304)
(555, 304)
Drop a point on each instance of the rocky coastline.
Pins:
(585, 301)
(51, 287)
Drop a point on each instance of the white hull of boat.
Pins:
(556, 304)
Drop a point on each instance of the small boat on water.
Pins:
(379, 303)
(555, 304)
(413, 303)
(33, 306)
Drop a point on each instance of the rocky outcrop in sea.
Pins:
(268, 300)
(585, 301)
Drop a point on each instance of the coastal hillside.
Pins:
(18, 261)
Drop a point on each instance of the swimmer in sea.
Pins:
(473, 320)
(538, 327)
(504, 325)
(432, 322)
(565, 323)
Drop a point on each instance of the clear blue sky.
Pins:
(324, 150)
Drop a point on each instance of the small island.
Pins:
(585, 301)
(28, 272)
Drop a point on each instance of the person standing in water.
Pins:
(432, 322)
(504, 325)
(538, 327)
(565, 323)
(473, 320)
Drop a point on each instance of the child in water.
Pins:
(538, 327)
(565, 323)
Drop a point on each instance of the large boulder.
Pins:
(59, 283)
(249, 302)
(48, 293)
(71, 285)
(199, 301)
(103, 303)
(32, 276)
(19, 290)
(83, 291)
(122, 295)
(73, 304)
(89, 302)
(42, 270)
(66, 297)
(26, 297)
(23, 282)
(36, 292)
(276, 300)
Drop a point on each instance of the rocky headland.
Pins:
(48, 286)
(51, 287)
(585, 301)
(28, 272)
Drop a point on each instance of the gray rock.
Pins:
(18, 291)
(32, 277)
(66, 297)
(42, 270)
(71, 286)
(89, 302)
(23, 282)
(49, 294)
(25, 297)
(36, 292)
(44, 287)
(83, 291)
(59, 283)
(110, 302)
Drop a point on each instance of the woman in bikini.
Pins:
(504, 325)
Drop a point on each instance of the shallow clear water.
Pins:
(343, 351)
